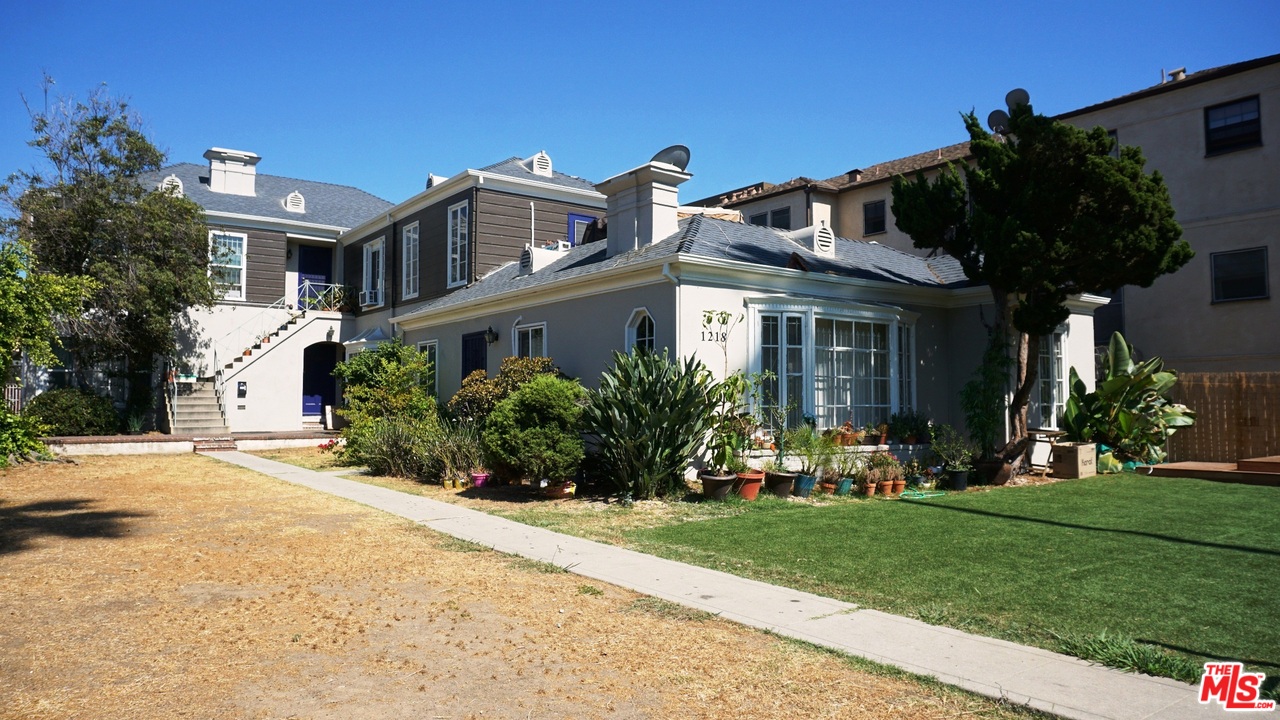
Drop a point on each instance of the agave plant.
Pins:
(1130, 411)
(649, 418)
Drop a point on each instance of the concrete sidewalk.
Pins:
(1022, 675)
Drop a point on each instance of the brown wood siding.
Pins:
(433, 247)
(264, 267)
(353, 264)
(502, 225)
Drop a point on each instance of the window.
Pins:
(475, 354)
(873, 217)
(780, 219)
(409, 258)
(578, 225)
(761, 219)
(459, 244)
(531, 340)
(1115, 143)
(227, 261)
(1232, 126)
(1049, 397)
(640, 331)
(1240, 275)
(373, 274)
(431, 349)
(857, 363)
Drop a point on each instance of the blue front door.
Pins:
(319, 388)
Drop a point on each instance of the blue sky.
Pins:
(377, 95)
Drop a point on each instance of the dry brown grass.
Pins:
(184, 587)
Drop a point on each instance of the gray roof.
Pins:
(514, 167)
(723, 240)
(326, 204)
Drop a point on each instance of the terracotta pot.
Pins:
(867, 489)
(899, 486)
(717, 487)
(885, 487)
(912, 440)
(779, 483)
(827, 488)
(748, 484)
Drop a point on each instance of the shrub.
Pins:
(534, 432)
(69, 411)
(457, 449)
(649, 418)
(393, 446)
(480, 394)
(390, 410)
(19, 437)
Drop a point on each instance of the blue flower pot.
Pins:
(804, 485)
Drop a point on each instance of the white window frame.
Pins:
(809, 311)
(458, 244)
(518, 328)
(410, 274)
(632, 334)
(368, 286)
(239, 292)
(432, 347)
(1053, 351)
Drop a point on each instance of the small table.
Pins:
(1043, 436)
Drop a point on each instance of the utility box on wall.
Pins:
(1075, 460)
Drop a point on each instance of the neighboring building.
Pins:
(445, 239)
(852, 330)
(1212, 135)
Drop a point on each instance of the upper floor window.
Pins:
(531, 340)
(459, 244)
(780, 219)
(431, 349)
(761, 219)
(227, 262)
(577, 229)
(1240, 275)
(1232, 126)
(641, 333)
(409, 256)
(873, 217)
(371, 295)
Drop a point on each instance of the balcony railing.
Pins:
(321, 296)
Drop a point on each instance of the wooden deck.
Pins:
(1254, 471)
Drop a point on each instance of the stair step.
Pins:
(214, 443)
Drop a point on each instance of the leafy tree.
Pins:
(88, 211)
(1043, 214)
(30, 303)
(533, 432)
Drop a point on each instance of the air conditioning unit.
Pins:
(370, 297)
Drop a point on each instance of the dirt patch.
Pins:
(184, 587)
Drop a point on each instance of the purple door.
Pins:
(319, 387)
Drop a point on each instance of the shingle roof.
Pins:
(514, 167)
(901, 166)
(326, 204)
(721, 240)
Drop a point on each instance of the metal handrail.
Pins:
(321, 296)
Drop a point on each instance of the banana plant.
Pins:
(1129, 411)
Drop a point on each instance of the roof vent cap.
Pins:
(539, 164)
(172, 184)
(1179, 74)
(295, 203)
(817, 239)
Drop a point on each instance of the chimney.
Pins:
(232, 171)
(641, 205)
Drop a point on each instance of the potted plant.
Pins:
(749, 479)
(848, 467)
(909, 427)
(956, 453)
(778, 479)
(913, 471)
(885, 470)
(814, 452)
(726, 437)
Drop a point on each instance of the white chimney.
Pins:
(641, 205)
(232, 171)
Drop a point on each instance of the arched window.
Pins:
(641, 334)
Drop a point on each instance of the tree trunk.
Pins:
(1027, 373)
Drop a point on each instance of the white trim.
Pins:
(243, 291)
(434, 344)
(405, 265)
(464, 251)
(517, 327)
(366, 279)
(266, 223)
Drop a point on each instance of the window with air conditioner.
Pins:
(374, 274)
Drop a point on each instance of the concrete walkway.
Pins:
(1047, 681)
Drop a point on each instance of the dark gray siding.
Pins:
(264, 267)
(502, 225)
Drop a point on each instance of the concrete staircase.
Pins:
(262, 345)
(198, 412)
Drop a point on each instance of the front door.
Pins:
(319, 387)
(315, 273)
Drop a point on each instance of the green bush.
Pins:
(69, 411)
(480, 394)
(456, 450)
(393, 446)
(392, 413)
(19, 437)
(534, 432)
(649, 418)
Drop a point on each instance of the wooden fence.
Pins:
(13, 397)
(1237, 416)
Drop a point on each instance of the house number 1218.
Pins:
(714, 336)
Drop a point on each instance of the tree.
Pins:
(88, 211)
(1045, 213)
(30, 303)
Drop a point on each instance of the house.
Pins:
(1207, 135)
(851, 330)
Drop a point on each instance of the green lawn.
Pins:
(1183, 564)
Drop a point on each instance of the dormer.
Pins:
(172, 185)
(817, 239)
(295, 203)
(232, 172)
(539, 164)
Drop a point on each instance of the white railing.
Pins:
(252, 331)
(13, 397)
(321, 296)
